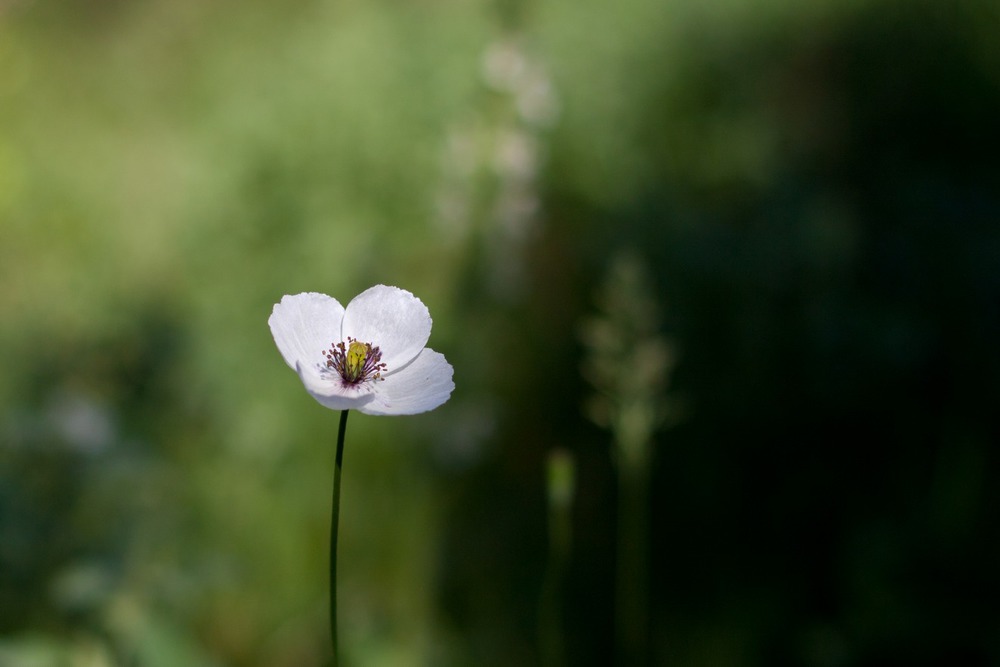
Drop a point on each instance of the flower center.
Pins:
(355, 362)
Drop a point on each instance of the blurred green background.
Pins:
(810, 188)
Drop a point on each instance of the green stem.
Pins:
(334, 523)
(561, 480)
(633, 546)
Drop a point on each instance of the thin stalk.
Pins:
(633, 564)
(560, 487)
(334, 523)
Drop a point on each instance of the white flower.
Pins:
(368, 357)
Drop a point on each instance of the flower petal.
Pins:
(331, 392)
(391, 318)
(423, 385)
(303, 325)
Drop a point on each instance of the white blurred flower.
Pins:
(516, 155)
(368, 357)
(504, 65)
(508, 69)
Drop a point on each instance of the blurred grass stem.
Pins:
(632, 598)
(334, 524)
(561, 474)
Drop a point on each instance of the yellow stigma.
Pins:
(356, 355)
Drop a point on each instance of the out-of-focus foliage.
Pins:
(812, 185)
